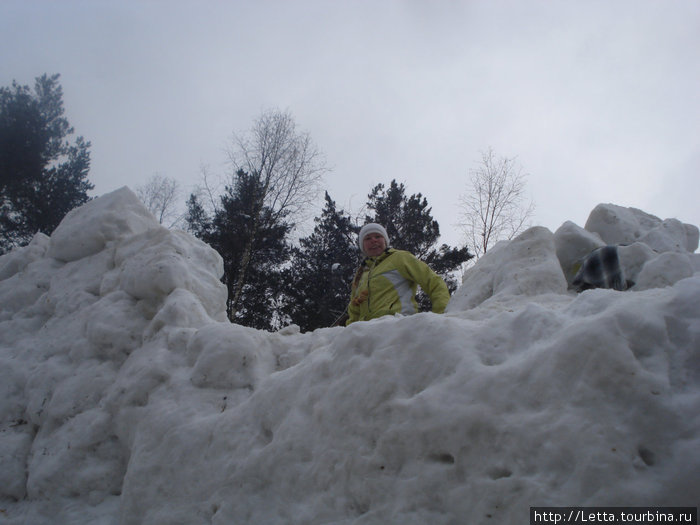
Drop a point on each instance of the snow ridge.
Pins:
(127, 398)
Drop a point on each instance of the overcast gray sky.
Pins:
(598, 100)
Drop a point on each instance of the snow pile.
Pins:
(126, 396)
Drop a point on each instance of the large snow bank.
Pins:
(126, 396)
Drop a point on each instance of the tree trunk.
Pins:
(243, 269)
(247, 253)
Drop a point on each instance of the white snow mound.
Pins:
(127, 398)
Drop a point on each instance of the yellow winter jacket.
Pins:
(388, 286)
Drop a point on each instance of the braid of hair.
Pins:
(358, 274)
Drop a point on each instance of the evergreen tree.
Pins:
(318, 281)
(231, 232)
(42, 175)
(288, 166)
(410, 226)
(198, 221)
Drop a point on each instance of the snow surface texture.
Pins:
(127, 398)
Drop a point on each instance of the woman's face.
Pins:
(373, 244)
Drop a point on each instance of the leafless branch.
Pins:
(290, 170)
(287, 161)
(160, 195)
(495, 207)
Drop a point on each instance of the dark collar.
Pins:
(386, 253)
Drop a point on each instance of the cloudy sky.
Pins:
(598, 100)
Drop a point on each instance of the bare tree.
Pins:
(160, 195)
(289, 167)
(496, 207)
(209, 190)
(287, 162)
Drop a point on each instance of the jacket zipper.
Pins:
(369, 276)
(375, 263)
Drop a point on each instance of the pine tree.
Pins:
(407, 220)
(288, 166)
(42, 175)
(318, 281)
(411, 226)
(230, 231)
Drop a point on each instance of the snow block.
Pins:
(573, 244)
(153, 264)
(665, 270)
(527, 265)
(111, 328)
(230, 357)
(87, 230)
(618, 225)
(178, 318)
(18, 259)
(633, 257)
(672, 235)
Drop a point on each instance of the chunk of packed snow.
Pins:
(618, 225)
(126, 397)
(641, 239)
(633, 257)
(664, 270)
(87, 230)
(573, 243)
(527, 266)
(18, 259)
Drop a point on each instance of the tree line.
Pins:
(272, 280)
(308, 283)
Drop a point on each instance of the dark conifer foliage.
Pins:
(309, 284)
(236, 224)
(42, 174)
(410, 225)
(318, 281)
(407, 220)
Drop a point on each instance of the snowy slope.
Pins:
(126, 397)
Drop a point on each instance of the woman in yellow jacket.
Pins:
(386, 282)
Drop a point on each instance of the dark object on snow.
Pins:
(600, 269)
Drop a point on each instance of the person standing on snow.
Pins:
(386, 282)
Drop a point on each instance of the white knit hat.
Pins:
(371, 227)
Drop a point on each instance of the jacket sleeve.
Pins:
(431, 283)
(354, 307)
(353, 313)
